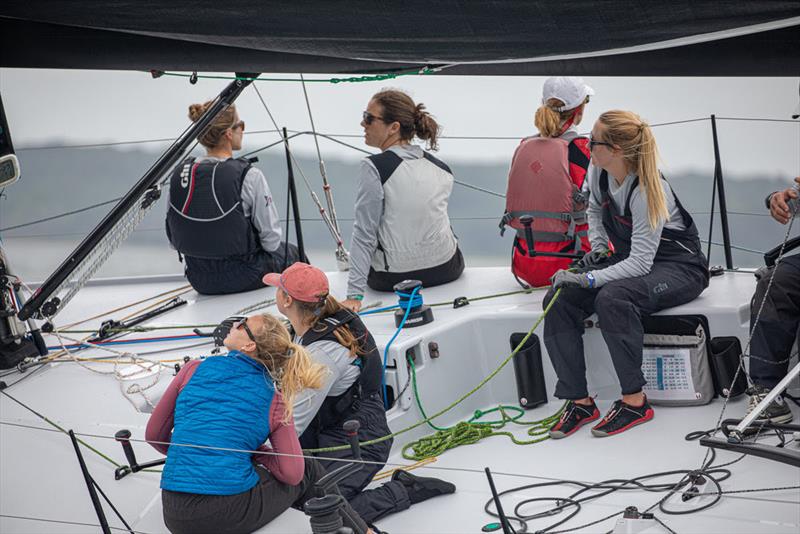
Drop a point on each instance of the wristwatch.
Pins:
(355, 297)
(591, 278)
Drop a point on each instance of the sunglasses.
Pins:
(369, 118)
(237, 125)
(243, 325)
(593, 143)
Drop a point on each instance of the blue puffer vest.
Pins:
(225, 404)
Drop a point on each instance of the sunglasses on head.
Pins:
(369, 118)
(593, 143)
(243, 325)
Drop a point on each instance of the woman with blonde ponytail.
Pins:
(230, 403)
(402, 229)
(336, 338)
(656, 263)
(547, 175)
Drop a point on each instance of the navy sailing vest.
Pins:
(205, 218)
(682, 246)
(336, 409)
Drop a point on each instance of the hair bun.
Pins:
(196, 111)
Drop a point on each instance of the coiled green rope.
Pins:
(472, 431)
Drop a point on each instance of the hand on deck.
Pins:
(353, 304)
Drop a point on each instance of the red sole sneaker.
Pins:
(557, 434)
(648, 415)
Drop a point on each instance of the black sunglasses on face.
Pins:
(593, 143)
(369, 118)
(243, 324)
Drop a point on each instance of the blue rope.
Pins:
(409, 300)
(387, 308)
(413, 297)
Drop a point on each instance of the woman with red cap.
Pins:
(336, 337)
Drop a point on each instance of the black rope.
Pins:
(59, 216)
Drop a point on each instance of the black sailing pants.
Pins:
(776, 330)
(235, 275)
(619, 306)
(371, 504)
(190, 513)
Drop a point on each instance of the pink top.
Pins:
(282, 436)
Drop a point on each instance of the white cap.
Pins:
(569, 89)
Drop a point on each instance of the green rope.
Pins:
(482, 383)
(472, 431)
(349, 79)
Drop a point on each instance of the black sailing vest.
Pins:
(681, 246)
(336, 409)
(205, 218)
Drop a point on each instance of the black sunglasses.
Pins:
(243, 324)
(593, 143)
(369, 118)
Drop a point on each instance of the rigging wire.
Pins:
(325, 216)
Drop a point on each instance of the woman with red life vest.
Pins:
(221, 217)
(657, 263)
(338, 339)
(545, 184)
(230, 403)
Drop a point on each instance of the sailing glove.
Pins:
(564, 278)
(593, 258)
(221, 331)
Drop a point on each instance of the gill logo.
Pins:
(185, 175)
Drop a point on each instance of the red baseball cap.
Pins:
(301, 281)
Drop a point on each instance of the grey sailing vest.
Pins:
(414, 232)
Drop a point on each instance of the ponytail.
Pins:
(650, 177)
(289, 364)
(299, 373)
(635, 138)
(314, 312)
(426, 127)
(551, 122)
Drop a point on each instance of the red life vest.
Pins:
(545, 183)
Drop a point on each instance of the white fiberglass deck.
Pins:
(40, 478)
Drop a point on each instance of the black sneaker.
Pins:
(621, 417)
(422, 488)
(776, 411)
(575, 416)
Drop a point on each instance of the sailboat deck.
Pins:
(40, 477)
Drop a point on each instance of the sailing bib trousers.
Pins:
(619, 306)
(777, 328)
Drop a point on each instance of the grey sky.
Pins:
(97, 106)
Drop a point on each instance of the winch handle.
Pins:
(351, 429)
(527, 222)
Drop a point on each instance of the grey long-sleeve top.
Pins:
(259, 206)
(341, 375)
(644, 239)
